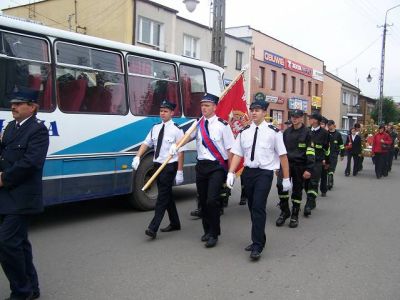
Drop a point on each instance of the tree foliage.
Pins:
(390, 112)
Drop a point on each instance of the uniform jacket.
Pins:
(298, 146)
(22, 155)
(336, 143)
(320, 142)
(355, 144)
(377, 142)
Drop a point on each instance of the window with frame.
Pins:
(345, 98)
(316, 89)
(293, 84)
(262, 77)
(89, 80)
(193, 87)
(191, 46)
(273, 80)
(25, 68)
(239, 60)
(284, 76)
(149, 31)
(150, 82)
(301, 86)
(309, 88)
(354, 99)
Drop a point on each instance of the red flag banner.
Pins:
(233, 109)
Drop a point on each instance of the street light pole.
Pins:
(381, 77)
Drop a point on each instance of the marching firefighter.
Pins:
(297, 140)
(336, 149)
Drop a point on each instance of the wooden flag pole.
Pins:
(228, 88)
(184, 139)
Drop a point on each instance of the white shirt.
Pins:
(269, 146)
(315, 128)
(172, 134)
(221, 136)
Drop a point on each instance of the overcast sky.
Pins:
(342, 33)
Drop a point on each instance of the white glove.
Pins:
(287, 184)
(173, 150)
(230, 180)
(179, 178)
(135, 162)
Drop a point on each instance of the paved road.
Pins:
(348, 249)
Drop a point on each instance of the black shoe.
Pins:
(36, 295)
(249, 248)
(310, 205)
(243, 201)
(346, 174)
(205, 237)
(170, 228)
(323, 194)
(196, 213)
(255, 255)
(150, 233)
(212, 241)
(294, 218)
(282, 218)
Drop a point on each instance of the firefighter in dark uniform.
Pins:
(261, 145)
(324, 173)
(301, 156)
(336, 149)
(214, 139)
(320, 142)
(162, 136)
(23, 150)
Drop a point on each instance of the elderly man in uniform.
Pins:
(23, 152)
(162, 136)
(214, 139)
(263, 150)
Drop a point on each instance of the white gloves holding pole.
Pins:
(179, 178)
(135, 162)
(173, 150)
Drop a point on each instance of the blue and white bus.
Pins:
(99, 99)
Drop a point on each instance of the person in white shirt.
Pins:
(162, 136)
(261, 145)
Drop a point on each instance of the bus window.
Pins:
(25, 65)
(193, 89)
(89, 80)
(150, 82)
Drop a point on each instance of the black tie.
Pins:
(18, 126)
(159, 141)
(208, 133)
(253, 148)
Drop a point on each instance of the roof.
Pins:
(343, 82)
(159, 5)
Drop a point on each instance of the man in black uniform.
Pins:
(336, 148)
(297, 139)
(324, 173)
(23, 150)
(320, 142)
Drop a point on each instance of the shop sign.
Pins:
(297, 103)
(259, 97)
(274, 99)
(298, 68)
(274, 59)
(317, 75)
(316, 101)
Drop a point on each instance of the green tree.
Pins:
(390, 113)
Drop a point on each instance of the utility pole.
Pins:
(382, 73)
(218, 33)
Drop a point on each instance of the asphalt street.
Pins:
(348, 249)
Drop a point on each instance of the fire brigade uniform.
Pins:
(320, 142)
(336, 149)
(301, 158)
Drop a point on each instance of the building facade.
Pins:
(367, 105)
(284, 76)
(341, 101)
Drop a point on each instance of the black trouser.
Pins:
(16, 255)
(381, 164)
(210, 176)
(356, 166)
(257, 184)
(296, 172)
(333, 160)
(390, 159)
(396, 152)
(313, 182)
(165, 202)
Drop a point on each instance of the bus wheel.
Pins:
(144, 200)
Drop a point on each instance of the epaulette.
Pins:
(244, 128)
(223, 121)
(176, 125)
(273, 128)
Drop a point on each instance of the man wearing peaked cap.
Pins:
(161, 137)
(259, 104)
(23, 150)
(207, 97)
